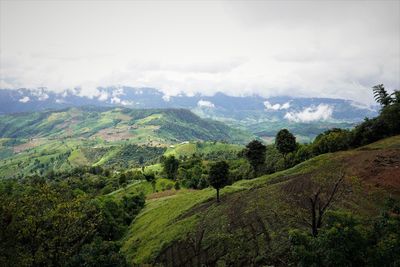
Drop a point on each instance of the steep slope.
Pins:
(253, 219)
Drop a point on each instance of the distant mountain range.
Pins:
(262, 116)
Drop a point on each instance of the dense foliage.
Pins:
(46, 223)
(255, 153)
(218, 176)
(347, 240)
(170, 166)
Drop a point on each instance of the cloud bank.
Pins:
(310, 114)
(334, 49)
(205, 104)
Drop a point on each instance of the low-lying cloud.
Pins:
(268, 106)
(205, 104)
(310, 114)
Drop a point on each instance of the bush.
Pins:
(332, 140)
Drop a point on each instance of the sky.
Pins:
(336, 49)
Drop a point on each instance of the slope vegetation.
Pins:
(253, 219)
(35, 143)
(115, 124)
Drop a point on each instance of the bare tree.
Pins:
(313, 198)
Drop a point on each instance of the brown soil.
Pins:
(31, 144)
(379, 168)
(111, 134)
(161, 194)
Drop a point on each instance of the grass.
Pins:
(392, 142)
(78, 159)
(155, 227)
(162, 223)
(190, 148)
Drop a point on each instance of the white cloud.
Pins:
(166, 98)
(268, 105)
(24, 99)
(43, 97)
(126, 103)
(115, 100)
(205, 104)
(342, 48)
(309, 114)
(103, 96)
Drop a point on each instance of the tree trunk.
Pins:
(217, 194)
(314, 227)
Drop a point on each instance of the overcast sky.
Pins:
(300, 48)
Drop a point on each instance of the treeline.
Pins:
(258, 159)
(47, 223)
(386, 124)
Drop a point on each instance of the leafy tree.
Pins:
(99, 253)
(285, 142)
(396, 97)
(340, 243)
(122, 179)
(218, 176)
(171, 165)
(151, 178)
(177, 186)
(381, 95)
(44, 226)
(255, 152)
(332, 140)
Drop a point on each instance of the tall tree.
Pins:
(381, 95)
(255, 153)
(171, 165)
(219, 176)
(285, 142)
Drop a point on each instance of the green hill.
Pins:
(144, 126)
(111, 137)
(254, 217)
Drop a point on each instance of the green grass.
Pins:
(154, 228)
(181, 150)
(189, 148)
(78, 159)
(391, 142)
(162, 222)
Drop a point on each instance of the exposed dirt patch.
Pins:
(30, 144)
(379, 168)
(161, 194)
(114, 134)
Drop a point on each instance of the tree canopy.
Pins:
(255, 153)
(285, 142)
(219, 176)
(171, 165)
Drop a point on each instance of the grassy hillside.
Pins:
(111, 137)
(206, 149)
(150, 126)
(186, 227)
